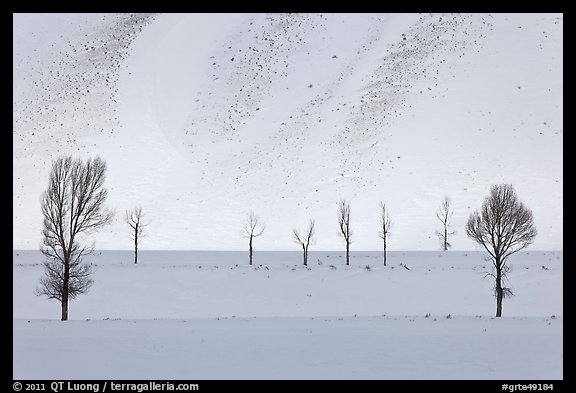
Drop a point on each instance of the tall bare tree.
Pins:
(444, 214)
(503, 226)
(252, 228)
(73, 204)
(385, 225)
(305, 239)
(134, 219)
(344, 224)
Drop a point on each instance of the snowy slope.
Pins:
(202, 118)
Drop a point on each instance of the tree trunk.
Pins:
(445, 238)
(64, 308)
(347, 253)
(384, 250)
(305, 255)
(65, 301)
(65, 288)
(136, 245)
(250, 250)
(499, 290)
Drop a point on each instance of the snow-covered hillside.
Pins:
(204, 117)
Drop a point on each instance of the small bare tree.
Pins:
(252, 228)
(385, 224)
(305, 240)
(444, 214)
(134, 219)
(344, 223)
(503, 226)
(73, 204)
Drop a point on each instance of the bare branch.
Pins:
(304, 240)
(252, 228)
(444, 214)
(296, 237)
(310, 232)
(385, 225)
(134, 219)
(307, 238)
(344, 220)
(385, 222)
(344, 225)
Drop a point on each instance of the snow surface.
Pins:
(182, 284)
(291, 348)
(204, 117)
(208, 315)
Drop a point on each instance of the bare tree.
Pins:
(503, 227)
(305, 240)
(444, 214)
(252, 228)
(344, 223)
(73, 204)
(134, 219)
(386, 224)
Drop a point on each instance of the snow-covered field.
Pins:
(380, 347)
(186, 315)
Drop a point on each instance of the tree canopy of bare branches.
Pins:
(344, 225)
(305, 239)
(134, 219)
(73, 204)
(385, 225)
(503, 226)
(252, 228)
(444, 215)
